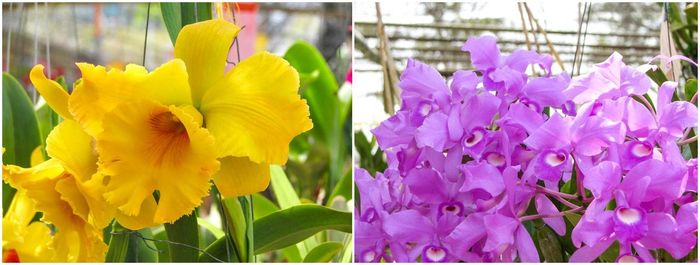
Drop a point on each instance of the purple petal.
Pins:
(466, 234)
(634, 81)
(523, 117)
(639, 119)
(520, 59)
(454, 127)
(602, 179)
(433, 133)
(421, 81)
(667, 181)
(408, 225)
(479, 111)
(687, 218)
(526, 247)
(677, 116)
(548, 91)
(596, 134)
(397, 131)
(483, 51)
(500, 231)
(545, 206)
(510, 80)
(666, 91)
(463, 84)
(662, 234)
(553, 134)
(592, 230)
(482, 176)
(590, 253)
(426, 184)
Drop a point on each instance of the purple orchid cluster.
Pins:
(473, 160)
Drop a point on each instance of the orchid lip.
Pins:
(641, 149)
(455, 208)
(628, 216)
(496, 159)
(432, 253)
(369, 215)
(424, 109)
(554, 159)
(476, 136)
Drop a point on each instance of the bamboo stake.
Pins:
(389, 68)
(544, 33)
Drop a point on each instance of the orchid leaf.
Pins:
(324, 252)
(20, 131)
(290, 226)
(184, 231)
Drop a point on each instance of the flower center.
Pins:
(554, 159)
(628, 259)
(434, 254)
(628, 216)
(474, 138)
(424, 109)
(641, 149)
(454, 208)
(496, 159)
(167, 123)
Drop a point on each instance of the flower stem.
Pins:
(551, 215)
(553, 192)
(565, 202)
(646, 103)
(689, 140)
(694, 98)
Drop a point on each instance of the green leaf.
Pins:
(292, 225)
(184, 231)
(20, 131)
(178, 15)
(118, 244)
(141, 250)
(236, 219)
(172, 19)
(263, 206)
(691, 87)
(291, 253)
(347, 252)
(657, 76)
(218, 250)
(208, 233)
(343, 188)
(573, 218)
(611, 254)
(286, 198)
(549, 245)
(324, 252)
(161, 236)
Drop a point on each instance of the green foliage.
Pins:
(324, 252)
(186, 232)
(20, 131)
(371, 157)
(292, 225)
(118, 244)
(177, 15)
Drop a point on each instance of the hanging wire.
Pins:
(140, 236)
(668, 32)
(75, 31)
(145, 38)
(36, 44)
(9, 37)
(583, 43)
(48, 39)
(578, 36)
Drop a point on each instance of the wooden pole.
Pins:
(544, 33)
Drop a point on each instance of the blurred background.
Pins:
(435, 32)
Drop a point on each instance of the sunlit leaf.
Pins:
(184, 231)
(324, 252)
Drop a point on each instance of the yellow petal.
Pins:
(146, 147)
(72, 195)
(204, 47)
(37, 156)
(101, 213)
(239, 176)
(37, 246)
(17, 217)
(99, 91)
(143, 220)
(53, 93)
(256, 110)
(72, 147)
(17, 176)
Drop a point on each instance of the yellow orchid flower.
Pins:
(53, 193)
(23, 240)
(173, 129)
(253, 111)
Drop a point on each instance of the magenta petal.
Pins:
(596, 134)
(687, 218)
(665, 95)
(483, 51)
(545, 206)
(454, 127)
(553, 134)
(466, 234)
(500, 231)
(591, 230)
(520, 59)
(602, 179)
(667, 181)
(397, 131)
(547, 91)
(433, 133)
(482, 176)
(639, 119)
(590, 253)
(643, 253)
(421, 81)
(523, 117)
(662, 234)
(408, 225)
(677, 116)
(426, 184)
(479, 111)
(463, 84)
(526, 247)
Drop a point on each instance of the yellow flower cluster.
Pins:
(142, 147)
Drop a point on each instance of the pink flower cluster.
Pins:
(473, 160)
